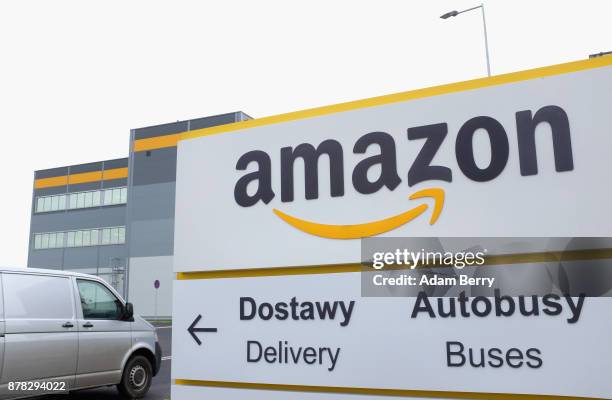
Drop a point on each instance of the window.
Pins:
(47, 206)
(108, 196)
(52, 239)
(111, 199)
(98, 302)
(86, 238)
(114, 236)
(60, 239)
(80, 238)
(40, 202)
(116, 196)
(95, 198)
(54, 203)
(88, 199)
(45, 241)
(80, 200)
(22, 295)
(70, 239)
(106, 236)
(62, 202)
(94, 237)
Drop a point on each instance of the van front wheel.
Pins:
(136, 378)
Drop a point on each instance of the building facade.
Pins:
(115, 218)
(78, 219)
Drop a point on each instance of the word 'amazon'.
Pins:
(257, 185)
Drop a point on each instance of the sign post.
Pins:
(156, 287)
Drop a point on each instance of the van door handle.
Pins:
(67, 325)
(87, 325)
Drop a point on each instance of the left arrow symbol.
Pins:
(193, 330)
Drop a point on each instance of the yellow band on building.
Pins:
(84, 177)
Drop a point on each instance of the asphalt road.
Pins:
(160, 388)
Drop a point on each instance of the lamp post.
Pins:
(454, 13)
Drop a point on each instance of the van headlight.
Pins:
(155, 334)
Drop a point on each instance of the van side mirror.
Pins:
(128, 312)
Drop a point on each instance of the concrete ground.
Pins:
(160, 388)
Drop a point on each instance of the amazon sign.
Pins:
(384, 164)
(524, 154)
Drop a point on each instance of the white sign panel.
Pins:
(317, 331)
(524, 154)
(526, 158)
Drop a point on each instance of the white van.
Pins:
(62, 331)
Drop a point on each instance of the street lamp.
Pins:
(454, 13)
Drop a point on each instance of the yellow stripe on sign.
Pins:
(84, 177)
(491, 260)
(374, 391)
(496, 80)
(278, 271)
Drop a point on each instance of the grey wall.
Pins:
(94, 217)
(152, 187)
(89, 258)
(152, 220)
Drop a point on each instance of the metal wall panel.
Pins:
(155, 166)
(51, 172)
(49, 258)
(51, 191)
(182, 126)
(116, 163)
(81, 187)
(153, 201)
(115, 183)
(75, 257)
(151, 238)
(81, 168)
(94, 217)
(89, 167)
(161, 130)
(214, 120)
(112, 255)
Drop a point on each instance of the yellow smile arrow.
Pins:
(369, 228)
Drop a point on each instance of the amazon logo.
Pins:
(430, 138)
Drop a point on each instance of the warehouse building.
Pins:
(115, 218)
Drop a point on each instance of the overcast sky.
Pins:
(76, 76)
